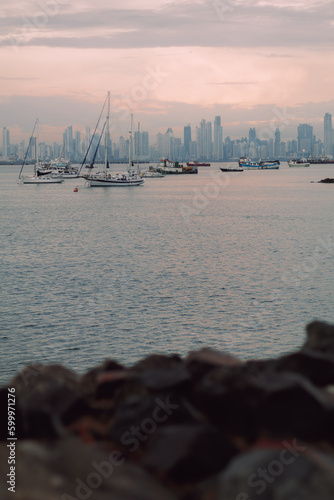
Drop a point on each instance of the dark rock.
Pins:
(156, 361)
(201, 362)
(320, 337)
(109, 383)
(328, 180)
(184, 421)
(293, 406)
(229, 399)
(49, 398)
(188, 453)
(137, 417)
(272, 401)
(287, 471)
(165, 378)
(89, 379)
(315, 366)
(69, 470)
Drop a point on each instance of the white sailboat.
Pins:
(39, 176)
(119, 179)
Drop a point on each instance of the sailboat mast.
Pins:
(138, 147)
(130, 145)
(107, 135)
(28, 148)
(36, 147)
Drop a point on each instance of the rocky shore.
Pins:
(204, 427)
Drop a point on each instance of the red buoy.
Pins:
(75, 190)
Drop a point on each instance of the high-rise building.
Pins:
(141, 145)
(5, 143)
(252, 136)
(328, 135)
(68, 143)
(208, 142)
(145, 144)
(277, 143)
(305, 139)
(187, 140)
(217, 139)
(77, 147)
(202, 139)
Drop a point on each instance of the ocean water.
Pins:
(239, 262)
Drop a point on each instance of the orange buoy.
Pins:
(75, 190)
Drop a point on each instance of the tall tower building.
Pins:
(217, 139)
(68, 143)
(187, 140)
(328, 135)
(77, 145)
(305, 139)
(252, 136)
(145, 143)
(5, 143)
(277, 144)
(202, 139)
(208, 142)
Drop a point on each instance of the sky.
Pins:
(256, 63)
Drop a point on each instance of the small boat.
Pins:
(67, 172)
(298, 163)
(62, 167)
(320, 161)
(167, 167)
(150, 173)
(105, 178)
(248, 164)
(198, 164)
(231, 169)
(60, 163)
(40, 176)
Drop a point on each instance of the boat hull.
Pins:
(152, 175)
(95, 183)
(246, 166)
(298, 165)
(41, 180)
(231, 169)
(114, 181)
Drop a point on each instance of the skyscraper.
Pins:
(208, 143)
(277, 144)
(217, 139)
(202, 139)
(328, 135)
(145, 143)
(68, 143)
(252, 136)
(5, 143)
(305, 139)
(187, 140)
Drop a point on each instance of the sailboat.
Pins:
(39, 176)
(105, 178)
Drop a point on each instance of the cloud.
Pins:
(256, 52)
(170, 24)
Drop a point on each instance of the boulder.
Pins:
(70, 470)
(188, 453)
(320, 337)
(48, 397)
(283, 471)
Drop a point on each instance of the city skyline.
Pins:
(205, 141)
(249, 63)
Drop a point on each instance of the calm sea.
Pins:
(239, 262)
